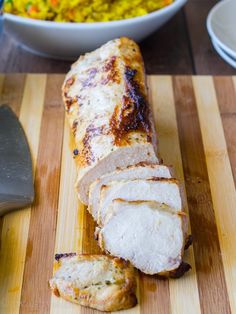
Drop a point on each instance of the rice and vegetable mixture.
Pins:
(83, 10)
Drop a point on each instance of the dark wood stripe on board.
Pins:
(226, 96)
(209, 267)
(40, 248)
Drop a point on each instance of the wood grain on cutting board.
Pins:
(191, 138)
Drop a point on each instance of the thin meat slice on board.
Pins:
(148, 234)
(140, 171)
(155, 189)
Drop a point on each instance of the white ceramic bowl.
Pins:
(226, 57)
(68, 40)
(221, 25)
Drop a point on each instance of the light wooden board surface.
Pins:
(194, 117)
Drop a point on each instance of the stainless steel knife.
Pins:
(16, 180)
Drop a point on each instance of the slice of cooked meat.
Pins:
(98, 281)
(156, 189)
(106, 103)
(148, 234)
(140, 171)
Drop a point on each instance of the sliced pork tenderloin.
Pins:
(161, 190)
(150, 235)
(139, 171)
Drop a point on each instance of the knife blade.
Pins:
(16, 179)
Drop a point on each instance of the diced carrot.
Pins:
(54, 3)
(32, 9)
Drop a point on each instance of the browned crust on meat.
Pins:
(154, 179)
(170, 180)
(63, 255)
(83, 154)
(56, 292)
(144, 164)
(89, 81)
(111, 73)
(121, 200)
(118, 261)
(178, 272)
(69, 101)
(86, 156)
(133, 114)
(130, 117)
(188, 241)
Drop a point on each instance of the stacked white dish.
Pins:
(221, 26)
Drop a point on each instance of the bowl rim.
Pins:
(211, 32)
(90, 25)
(223, 55)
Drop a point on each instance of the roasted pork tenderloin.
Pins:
(105, 98)
(130, 193)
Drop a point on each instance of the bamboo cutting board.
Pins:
(196, 123)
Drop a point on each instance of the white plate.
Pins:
(69, 40)
(221, 25)
(224, 55)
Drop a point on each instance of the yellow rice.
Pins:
(83, 10)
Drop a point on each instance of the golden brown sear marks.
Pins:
(111, 73)
(90, 82)
(86, 154)
(180, 271)
(107, 87)
(133, 114)
(68, 99)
